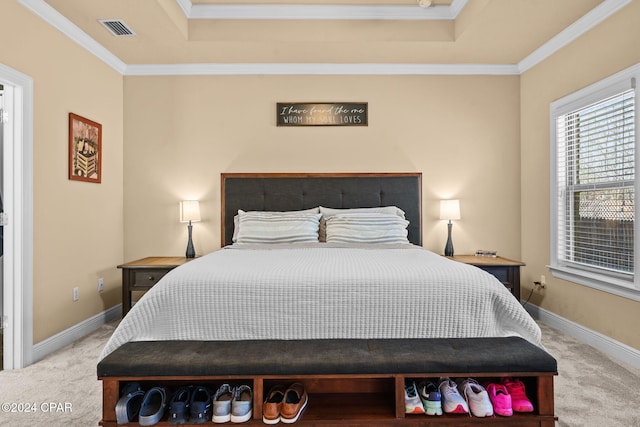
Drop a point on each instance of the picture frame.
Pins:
(85, 149)
(322, 114)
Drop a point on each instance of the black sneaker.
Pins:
(201, 408)
(179, 406)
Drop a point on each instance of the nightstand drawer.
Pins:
(143, 274)
(505, 270)
(146, 279)
(504, 275)
(501, 273)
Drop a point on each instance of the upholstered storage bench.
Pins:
(350, 382)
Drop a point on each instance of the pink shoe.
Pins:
(500, 399)
(519, 400)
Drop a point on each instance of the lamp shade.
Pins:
(449, 209)
(189, 211)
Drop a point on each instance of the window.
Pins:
(593, 137)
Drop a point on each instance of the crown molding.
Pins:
(581, 26)
(318, 69)
(68, 28)
(456, 7)
(185, 6)
(320, 12)
(592, 18)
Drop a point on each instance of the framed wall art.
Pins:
(85, 149)
(322, 114)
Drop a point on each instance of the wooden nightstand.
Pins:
(504, 269)
(142, 274)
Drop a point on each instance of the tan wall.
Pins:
(78, 226)
(462, 133)
(610, 47)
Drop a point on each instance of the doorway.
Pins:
(16, 186)
(1, 225)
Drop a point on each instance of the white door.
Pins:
(17, 219)
(2, 115)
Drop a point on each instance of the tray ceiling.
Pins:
(192, 32)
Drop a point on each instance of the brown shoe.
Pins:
(295, 400)
(272, 405)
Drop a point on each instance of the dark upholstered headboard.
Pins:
(296, 191)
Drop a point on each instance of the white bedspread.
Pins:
(324, 291)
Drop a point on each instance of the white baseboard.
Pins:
(68, 336)
(603, 343)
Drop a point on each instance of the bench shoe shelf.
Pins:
(338, 396)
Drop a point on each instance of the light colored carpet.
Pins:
(591, 389)
(62, 389)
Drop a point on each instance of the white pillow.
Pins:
(329, 212)
(236, 226)
(278, 227)
(366, 228)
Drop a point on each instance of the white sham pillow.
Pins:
(278, 227)
(329, 212)
(236, 225)
(366, 228)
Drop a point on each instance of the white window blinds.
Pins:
(595, 166)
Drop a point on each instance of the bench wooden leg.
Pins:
(399, 396)
(258, 395)
(110, 396)
(546, 403)
(545, 395)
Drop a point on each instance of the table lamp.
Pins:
(449, 209)
(190, 212)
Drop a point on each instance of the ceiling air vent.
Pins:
(117, 27)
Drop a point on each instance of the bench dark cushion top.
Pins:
(308, 357)
(318, 357)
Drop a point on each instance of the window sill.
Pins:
(601, 282)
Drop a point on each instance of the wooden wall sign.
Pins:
(322, 114)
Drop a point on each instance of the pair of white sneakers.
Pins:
(476, 399)
(423, 399)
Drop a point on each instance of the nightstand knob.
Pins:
(151, 278)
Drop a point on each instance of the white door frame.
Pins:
(18, 208)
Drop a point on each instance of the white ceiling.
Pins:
(325, 37)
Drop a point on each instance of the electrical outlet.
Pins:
(542, 283)
(76, 294)
(100, 284)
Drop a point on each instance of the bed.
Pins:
(323, 290)
(346, 285)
